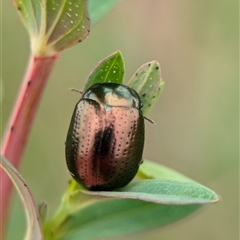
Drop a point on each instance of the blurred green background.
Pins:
(196, 43)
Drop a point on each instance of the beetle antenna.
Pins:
(150, 120)
(76, 90)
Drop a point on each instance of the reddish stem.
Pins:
(19, 126)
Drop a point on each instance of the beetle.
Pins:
(105, 139)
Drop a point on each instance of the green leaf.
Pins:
(152, 170)
(112, 218)
(34, 231)
(67, 23)
(163, 191)
(54, 25)
(110, 69)
(148, 84)
(99, 9)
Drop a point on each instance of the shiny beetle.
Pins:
(105, 139)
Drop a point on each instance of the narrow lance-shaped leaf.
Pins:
(33, 226)
(120, 217)
(117, 217)
(148, 83)
(163, 191)
(110, 69)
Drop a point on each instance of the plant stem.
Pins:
(20, 123)
(72, 201)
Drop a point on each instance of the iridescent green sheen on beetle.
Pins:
(105, 139)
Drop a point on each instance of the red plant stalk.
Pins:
(19, 126)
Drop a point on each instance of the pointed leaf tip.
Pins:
(110, 69)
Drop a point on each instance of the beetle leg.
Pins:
(76, 90)
(150, 120)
